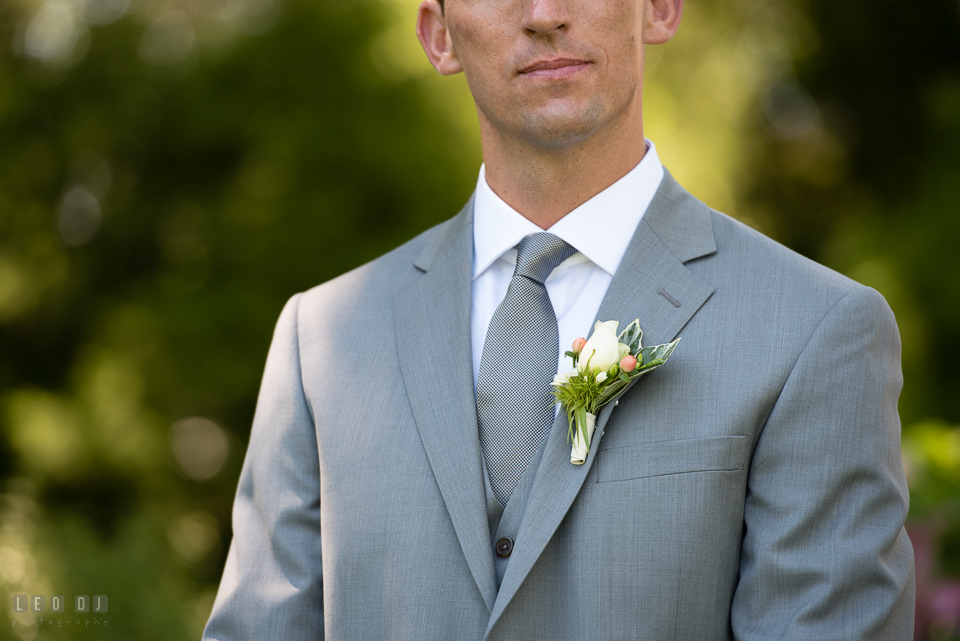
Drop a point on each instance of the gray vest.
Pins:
(505, 520)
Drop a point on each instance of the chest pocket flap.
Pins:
(715, 454)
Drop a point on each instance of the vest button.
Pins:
(504, 547)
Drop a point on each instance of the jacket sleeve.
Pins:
(825, 554)
(272, 585)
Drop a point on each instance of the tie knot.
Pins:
(538, 254)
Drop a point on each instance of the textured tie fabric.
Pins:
(514, 400)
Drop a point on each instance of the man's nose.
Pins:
(545, 16)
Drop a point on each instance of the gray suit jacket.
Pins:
(751, 488)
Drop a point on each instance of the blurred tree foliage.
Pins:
(170, 173)
(153, 220)
(855, 163)
(858, 171)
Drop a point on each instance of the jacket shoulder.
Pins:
(767, 280)
(368, 289)
(771, 264)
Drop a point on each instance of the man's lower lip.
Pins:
(554, 74)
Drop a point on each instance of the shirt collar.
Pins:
(600, 228)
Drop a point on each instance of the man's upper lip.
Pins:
(552, 63)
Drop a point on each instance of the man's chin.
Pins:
(558, 128)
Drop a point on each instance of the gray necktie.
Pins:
(514, 401)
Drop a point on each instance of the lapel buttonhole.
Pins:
(666, 294)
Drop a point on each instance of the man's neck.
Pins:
(545, 184)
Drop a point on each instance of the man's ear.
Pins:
(435, 38)
(661, 20)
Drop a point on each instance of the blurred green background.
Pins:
(171, 171)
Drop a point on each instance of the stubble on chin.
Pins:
(547, 129)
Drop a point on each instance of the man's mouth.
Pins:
(553, 68)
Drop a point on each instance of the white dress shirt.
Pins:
(600, 229)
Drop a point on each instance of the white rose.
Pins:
(602, 348)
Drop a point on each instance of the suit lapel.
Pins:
(651, 284)
(432, 319)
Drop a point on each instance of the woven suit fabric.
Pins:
(515, 405)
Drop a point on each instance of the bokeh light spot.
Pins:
(103, 12)
(12, 565)
(168, 41)
(79, 217)
(200, 447)
(790, 112)
(54, 33)
(194, 536)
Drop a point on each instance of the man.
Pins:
(406, 478)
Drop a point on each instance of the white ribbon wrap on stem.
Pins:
(578, 455)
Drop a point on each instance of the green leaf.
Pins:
(608, 393)
(632, 335)
(654, 364)
(582, 425)
(657, 355)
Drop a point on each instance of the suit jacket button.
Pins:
(504, 547)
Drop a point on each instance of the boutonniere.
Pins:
(603, 367)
